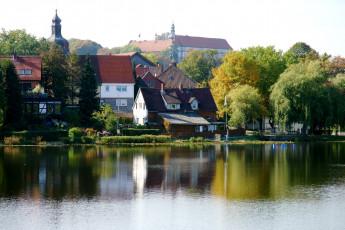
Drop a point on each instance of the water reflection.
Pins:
(247, 172)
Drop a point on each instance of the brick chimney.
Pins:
(180, 86)
(162, 88)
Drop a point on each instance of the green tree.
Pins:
(299, 52)
(334, 66)
(105, 119)
(12, 90)
(245, 104)
(151, 57)
(88, 102)
(73, 71)
(130, 48)
(83, 47)
(198, 65)
(301, 96)
(237, 68)
(3, 100)
(20, 42)
(54, 77)
(107, 51)
(163, 36)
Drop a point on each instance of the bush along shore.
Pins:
(91, 136)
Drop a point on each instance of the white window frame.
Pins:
(22, 72)
(28, 72)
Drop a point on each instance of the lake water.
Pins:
(293, 186)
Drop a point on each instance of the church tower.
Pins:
(172, 32)
(56, 36)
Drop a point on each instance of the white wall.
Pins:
(138, 112)
(113, 93)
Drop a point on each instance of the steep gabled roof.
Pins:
(34, 63)
(111, 68)
(201, 42)
(152, 45)
(155, 103)
(173, 77)
(132, 54)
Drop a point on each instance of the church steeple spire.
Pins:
(172, 36)
(56, 36)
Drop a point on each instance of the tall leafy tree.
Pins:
(20, 42)
(151, 57)
(246, 104)
(74, 71)
(3, 100)
(334, 66)
(88, 102)
(12, 89)
(83, 47)
(237, 69)
(198, 65)
(130, 48)
(301, 96)
(54, 77)
(299, 52)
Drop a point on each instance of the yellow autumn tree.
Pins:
(237, 69)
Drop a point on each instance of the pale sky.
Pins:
(243, 23)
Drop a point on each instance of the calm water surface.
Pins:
(293, 186)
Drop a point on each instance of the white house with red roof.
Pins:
(115, 81)
(182, 43)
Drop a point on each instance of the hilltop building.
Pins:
(56, 36)
(180, 44)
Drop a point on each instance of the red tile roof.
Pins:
(152, 45)
(173, 77)
(111, 68)
(34, 63)
(149, 78)
(201, 42)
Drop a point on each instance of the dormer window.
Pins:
(174, 106)
(194, 103)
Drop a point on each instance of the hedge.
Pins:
(139, 132)
(47, 135)
(136, 139)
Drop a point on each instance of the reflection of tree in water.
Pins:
(274, 171)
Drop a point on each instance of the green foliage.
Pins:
(47, 135)
(20, 42)
(237, 68)
(12, 90)
(138, 132)
(198, 65)
(83, 47)
(107, 51)
(299, 52)
(71, 116)
(88, 140)
(3, 100)
(151, 57)
(245, 104)
(170, 53)
(105, 119)
(302, 95)
(75, 132)
(54, 77)
(88, 102)
(271, 64)
(197, 139)
(130, 48)
(163, 36)
(73, 71)
(135, 139)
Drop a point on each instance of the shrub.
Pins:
(90, 132)
(65, 140)
(199, 139)
(37, 140)
(136, 139)
(192, 139)
(47, 135)
(13, 140)
(138, 132)
(71, 117)
(75, 132)
(87, 140)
